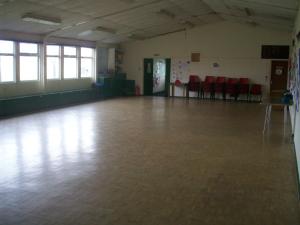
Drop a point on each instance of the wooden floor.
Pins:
(148, 161)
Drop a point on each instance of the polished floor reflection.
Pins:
(148, 161)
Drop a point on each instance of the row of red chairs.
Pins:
(232, 87)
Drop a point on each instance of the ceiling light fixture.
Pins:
(66, 28)
(85, 33)
(106, 30)
(30, 17)
(80, 23)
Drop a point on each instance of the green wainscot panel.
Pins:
(32, 103)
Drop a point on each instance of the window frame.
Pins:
(14, 55)
(92, 57)
(76, 57)
(59, 56)
(38, 55)
(42, 56)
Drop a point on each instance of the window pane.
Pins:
(86, 67)
(53, 68)
(70, 68)
(28, 48)
(52, 50)
(6, 68)
(7, 47)
(70, 51)
(28, 68)
(86, 52)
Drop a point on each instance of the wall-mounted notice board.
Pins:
(179, 70)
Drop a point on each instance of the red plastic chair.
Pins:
(244, 87)
(220, 86)
(208, 86)
(256, 90)
(232, 87)
(194, 85)
(177, 83)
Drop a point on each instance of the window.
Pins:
(7, 61)
(87, 62)
(20, 61)
(70, 62)
(53, 61)
(29, 62)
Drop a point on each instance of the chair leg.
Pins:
(266, 118)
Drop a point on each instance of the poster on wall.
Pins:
(292, 72)
(297, 100)
(296, 83)
(179, 70)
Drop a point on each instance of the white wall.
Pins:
(235, 47)
(296, 121)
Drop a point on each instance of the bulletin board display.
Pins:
(296, 89)
(295, 78)
(180, 70)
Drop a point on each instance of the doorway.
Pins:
(156, 76)
(279, 76)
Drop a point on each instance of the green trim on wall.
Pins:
(25, 104)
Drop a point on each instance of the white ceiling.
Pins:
(135, 19)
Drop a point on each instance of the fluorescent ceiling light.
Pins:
(101, 29)
(165, 13)
(66, 28)
(30, 17)
(86, 33)
(106, 30)
(80, 23)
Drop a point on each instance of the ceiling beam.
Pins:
(105, 16)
